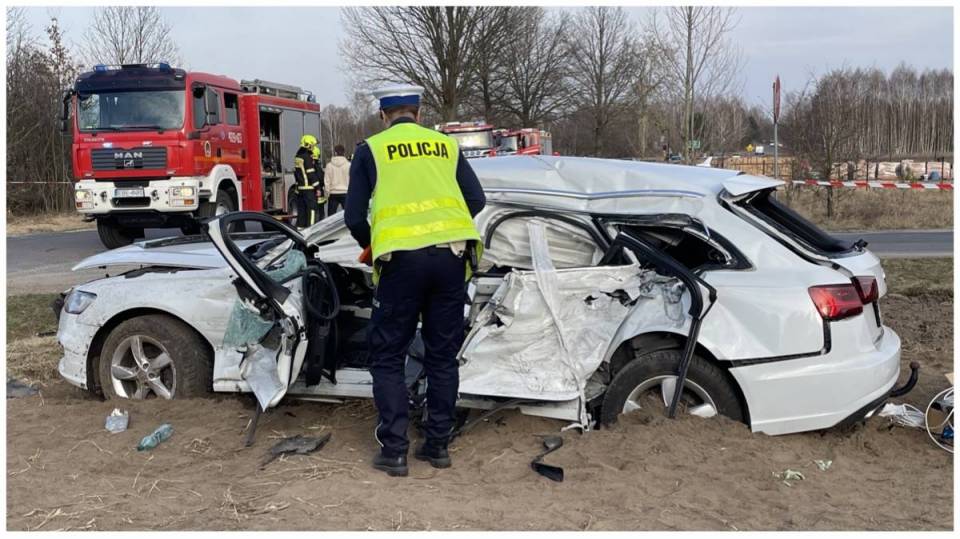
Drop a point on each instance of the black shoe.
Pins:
(394, 466)
(438, 457)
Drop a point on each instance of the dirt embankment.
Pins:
(647, 473)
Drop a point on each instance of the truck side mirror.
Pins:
(65, 113)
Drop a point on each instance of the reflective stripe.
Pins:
(412, 232)
(306, 187)
(311, 170)
(419, 207)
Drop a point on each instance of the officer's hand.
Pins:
(366, 257)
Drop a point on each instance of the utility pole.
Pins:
(776, 120)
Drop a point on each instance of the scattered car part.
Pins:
(551, 472)
(299, 444)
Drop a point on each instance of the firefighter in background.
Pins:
(309, 178)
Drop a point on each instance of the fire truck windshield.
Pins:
(131, 110)
(476, 140)
(508, 144)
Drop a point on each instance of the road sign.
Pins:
(776, 99)
(693, 144)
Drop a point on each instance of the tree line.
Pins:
(602, 82)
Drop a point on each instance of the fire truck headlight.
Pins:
(84, 199)
(181, 192)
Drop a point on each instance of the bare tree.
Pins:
(700, 59)
(437, 47)
(129, 35)
(536, 67)
(650, 76)
(602, 52)
(37, 171)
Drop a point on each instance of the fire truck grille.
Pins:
(134, 158)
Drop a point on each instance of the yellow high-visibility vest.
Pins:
(416, 201)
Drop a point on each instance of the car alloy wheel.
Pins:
(141, 365)
(698, 401)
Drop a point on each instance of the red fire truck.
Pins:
(525, 141)
(474, 138)
(155, 146)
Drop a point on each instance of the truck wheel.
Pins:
(650, 379)
(113, 235)
(154, 356)
(223, 204)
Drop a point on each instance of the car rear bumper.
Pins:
(821, 391)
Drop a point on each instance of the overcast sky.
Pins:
(272, 43)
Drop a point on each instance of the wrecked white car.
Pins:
(604, 286)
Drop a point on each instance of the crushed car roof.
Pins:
(602, 185)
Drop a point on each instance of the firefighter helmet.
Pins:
(316, 153)
(308, 141)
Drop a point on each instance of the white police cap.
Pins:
(398, 94)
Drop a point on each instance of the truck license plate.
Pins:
(128, 193)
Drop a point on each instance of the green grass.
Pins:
(28, 315)
(919, 276)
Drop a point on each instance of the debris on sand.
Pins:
(789, 475)
(299, 444)
(17, 389)
(117, 421)
(824, 465)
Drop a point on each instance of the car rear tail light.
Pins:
(836, 301)
(867, 288)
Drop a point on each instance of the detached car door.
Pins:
(268, 323)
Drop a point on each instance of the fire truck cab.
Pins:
(474, 138)
(526, 141)
(154, 146)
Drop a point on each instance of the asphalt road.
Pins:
(42, 262)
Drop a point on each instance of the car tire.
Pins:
(188, 371)
(113, 235)
(704, 379)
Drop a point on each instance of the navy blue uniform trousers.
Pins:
(429, 284)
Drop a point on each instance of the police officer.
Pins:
(421, 240)
(309, 178)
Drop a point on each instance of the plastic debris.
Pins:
(824, 465)
(903, 414)
(299, 444)
(117, 421)
(162, 434)
(789, 475)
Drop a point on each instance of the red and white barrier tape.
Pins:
(877, 184)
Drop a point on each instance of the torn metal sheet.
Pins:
(259, 369)
(515, 350)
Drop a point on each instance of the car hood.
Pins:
(170, 252)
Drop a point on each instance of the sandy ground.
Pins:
(647, 473)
